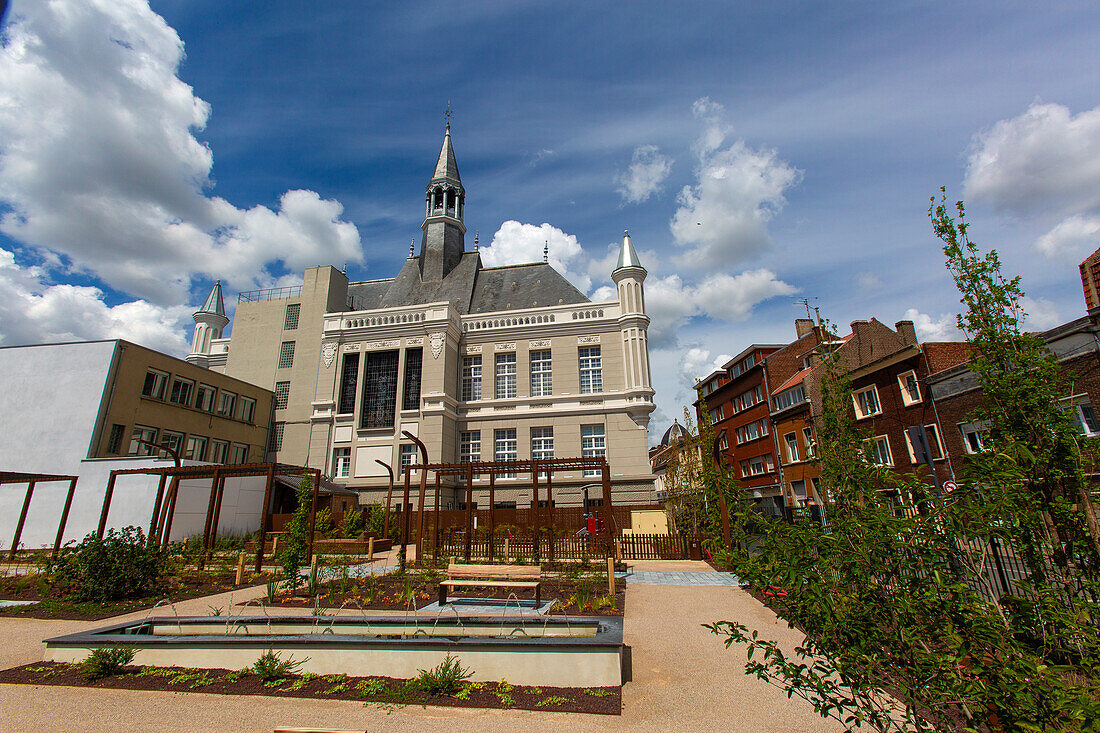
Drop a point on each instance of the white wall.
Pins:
(49, 399)
(131, 504)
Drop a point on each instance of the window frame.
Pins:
(469, 447)
(505, 375)
(282, 394)
(876, 442)
(979, 430)
(808, 442)
(860, 414)
(147, 433)
(286, 355)
(341, 462)
(596, 448)
(223, 397)
(274, 442)
(201, 390)
(216, 447)
(172, 439)
(290, 324)
(470, 378)
(234, 450)
(185, 395)
(790, 446)
(159, 387)
(504, 437)
(189, 452)
(542, 373)
(906, 398)
(590, 369)
(247, 409)
(934, 435)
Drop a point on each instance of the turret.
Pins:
(445, 201)
(633, 321)
(210, 320)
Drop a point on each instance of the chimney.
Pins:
(907, 332)
(802, 326)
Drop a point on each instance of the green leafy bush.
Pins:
(351, 524)
(271, 667)
(120, 565)
(106, 662)
(294, 544)
(444, 678)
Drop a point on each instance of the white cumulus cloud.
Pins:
(99, 161)
(33, 311)
(929, 328)
(697, 362)
(1073, 239)
(515, 244)
(723, 218)
(647, 171)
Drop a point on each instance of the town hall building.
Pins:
(480, 363)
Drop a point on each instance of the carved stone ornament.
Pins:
(417, 341)
(351, 347)
(539, 345)
(510, 346)
(476, 349)
(588, 339)
(391, 344)
(437, 341)
(328, 353)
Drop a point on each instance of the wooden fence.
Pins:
(530, 546)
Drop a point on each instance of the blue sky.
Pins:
(758, 153)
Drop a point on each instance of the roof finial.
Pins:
(545, 250)
(412, 249)
(477, 248)
(345, 270)
(447, 115)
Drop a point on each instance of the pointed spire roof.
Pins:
(446, 168)
(627, 256)
(214, 303)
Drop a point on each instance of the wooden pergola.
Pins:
(496, 468)
(31, 480)
(164, 506)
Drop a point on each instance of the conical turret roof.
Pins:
(214, 303)
(627, 256)
(446, 168)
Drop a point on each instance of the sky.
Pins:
(759, 154)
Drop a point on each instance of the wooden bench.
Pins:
(492, 576)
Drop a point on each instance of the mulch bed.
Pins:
(384, 691)
(389, 596)
(52, 606)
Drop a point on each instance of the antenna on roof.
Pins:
(805, 303)
(545, 250)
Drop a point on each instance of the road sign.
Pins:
(949, 486)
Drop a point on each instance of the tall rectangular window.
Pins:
(471, 379)
(149, 435)
(227, 401)
(282, 395)
(506, 447)
(505, 376)
(910, 388)
(413, 367)
(196, 448)
(286, 355)
(171, 440)
(591, 368)
(155, 384)
(219, 451)
(379, 390)
(204, 398)
(791, 442)
(290, 321)
(866, 402)
(407, 457)
(248, 409)
(593, 445)
(275, 444)
(542, 445)
(181, 391)
(880, 451)
(542, 384)
(239, 454)
(349, 377)
(341, 459)
(808, 440)
(114, 442)
(469, 447)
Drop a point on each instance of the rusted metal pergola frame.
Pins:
(31, 479)
(164, 506)
(495, 468)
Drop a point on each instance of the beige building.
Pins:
(481, 363)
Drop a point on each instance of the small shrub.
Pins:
(323, 523)
(120, 565)
(106, 662)
(339, 684)
(504, 693)
(270, 667)
(351, 524)
(272, 588)
(598, 692)
(468, 689)
(555, 700)
(444, 678)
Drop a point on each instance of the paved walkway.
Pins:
(684, 679)
(664, 577)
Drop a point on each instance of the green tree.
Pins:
(294, 544)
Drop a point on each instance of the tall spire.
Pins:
(443, 243)
(209, 322)
(627, 256)
(214, 303)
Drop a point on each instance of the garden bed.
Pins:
(391, 593)
(379, 690)
(51, 605)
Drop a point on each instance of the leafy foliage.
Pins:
(294, 544)
(272, 668)
(106, 662)
(120, 565)
(351, 524)
(902, 631)
(444, 678)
